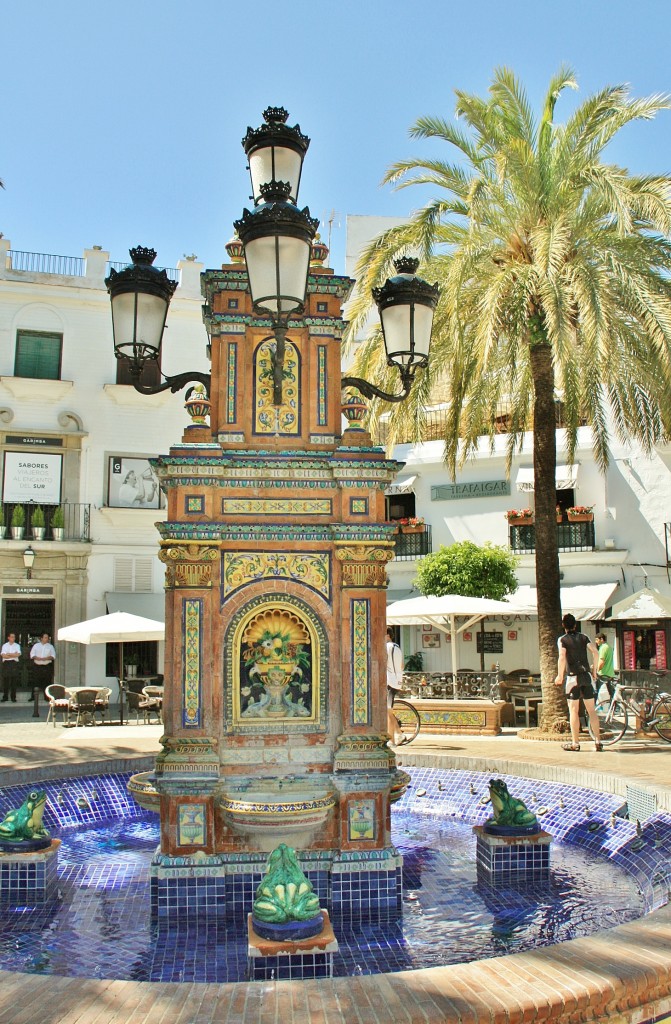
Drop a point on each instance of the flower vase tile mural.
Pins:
(192, 825)
(361, 815)
(276, 679)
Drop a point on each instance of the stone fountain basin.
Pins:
(143, 790)
(272, 808)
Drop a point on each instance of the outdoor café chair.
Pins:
(84, 703)
(59, 701)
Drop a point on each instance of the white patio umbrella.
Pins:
(117, 627)
(442, 612)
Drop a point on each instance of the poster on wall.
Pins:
(431, 639)
(629, 645)
(132, 483)
(660, 649)
(32, 476)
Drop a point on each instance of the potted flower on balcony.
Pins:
(37, 523)
(18, 522)
(58, 523)
(580, 513)
(559, 512)
(413, 524)
(520, 516)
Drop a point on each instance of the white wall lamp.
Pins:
(29, 561)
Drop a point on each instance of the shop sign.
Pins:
(28, 591)
(35, 442)
(475, 489)
(32, 476)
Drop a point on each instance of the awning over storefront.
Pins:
(644, 604)
(585, 602)
(151, 606)
(566, 477)
(405, 485)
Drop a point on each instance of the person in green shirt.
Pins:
(605, 670)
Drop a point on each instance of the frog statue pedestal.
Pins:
(511, 847)
(28, 855)
(288, 934)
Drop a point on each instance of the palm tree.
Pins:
(554, 272)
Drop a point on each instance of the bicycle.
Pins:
(408, 721)
(653, 713)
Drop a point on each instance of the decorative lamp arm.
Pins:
(175, 383)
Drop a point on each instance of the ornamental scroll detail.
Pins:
(364, 565)
(188, 565)
(309, 568)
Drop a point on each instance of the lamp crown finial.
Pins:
(275, 190)
(141, 254)
(276, 114)
(406, 264)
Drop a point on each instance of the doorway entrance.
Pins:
(28, 619)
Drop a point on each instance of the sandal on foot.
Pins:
(570, 746)
(598, 746)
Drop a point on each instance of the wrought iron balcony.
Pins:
(413, 545)
(76, 521)
(570, 537)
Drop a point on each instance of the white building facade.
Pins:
(74, 437)
(74, 434)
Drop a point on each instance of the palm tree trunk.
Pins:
(547, 553)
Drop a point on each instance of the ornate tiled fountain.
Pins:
(275, 549)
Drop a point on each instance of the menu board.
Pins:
(493, 642)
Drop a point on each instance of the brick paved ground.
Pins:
(623, 975)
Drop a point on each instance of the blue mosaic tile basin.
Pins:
(602, 874)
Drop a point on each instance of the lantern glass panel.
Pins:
(404, 325)
(138, 320)
(275, 163)
(278, 269)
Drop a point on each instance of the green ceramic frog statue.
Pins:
(508, 810)
(26, 821)
(285, 894)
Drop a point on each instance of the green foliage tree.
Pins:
(467, 569)
(554, 268)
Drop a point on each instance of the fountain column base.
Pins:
(512, 858)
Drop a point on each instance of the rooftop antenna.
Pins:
(331, 218)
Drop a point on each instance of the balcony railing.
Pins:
(76, 521)
(570, 537)
(65, 266)
(412, 545)
(45, 263)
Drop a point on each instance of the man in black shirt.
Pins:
(573, 663)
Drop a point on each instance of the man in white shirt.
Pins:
(10, 654)
(394, 682)
(43, 655)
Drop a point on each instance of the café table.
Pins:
(525, 701)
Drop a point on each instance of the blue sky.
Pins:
(121, 123)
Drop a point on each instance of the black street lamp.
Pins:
(406, 305)
(276, 236)
(275, 153)
(140, 295)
